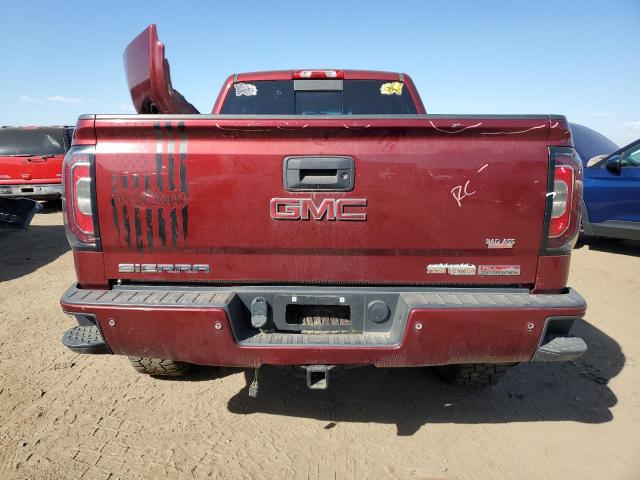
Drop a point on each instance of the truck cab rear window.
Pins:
(318, 102)
(357, 97)
(31, 141)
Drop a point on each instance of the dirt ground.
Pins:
(64, 415)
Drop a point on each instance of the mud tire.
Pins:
(158, 367)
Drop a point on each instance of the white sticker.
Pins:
(493, 270)
(462, 269)
(437, 268)
(245, 89)
(452, 268)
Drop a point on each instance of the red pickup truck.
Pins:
(30, 169)
(31, 161)
(319, 218)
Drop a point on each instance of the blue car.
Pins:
(611, 200)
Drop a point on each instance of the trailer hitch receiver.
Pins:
(318, 376)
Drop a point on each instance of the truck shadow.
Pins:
(609, 245)
(25, 252)
(414, 397)
(201, 373)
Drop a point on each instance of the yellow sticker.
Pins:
(392, 88)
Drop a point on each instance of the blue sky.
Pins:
(577, 58)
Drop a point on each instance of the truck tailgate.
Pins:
(434, 199)
(23, 170)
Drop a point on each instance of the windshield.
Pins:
(31, 141)
(589, 143)
(348, 97)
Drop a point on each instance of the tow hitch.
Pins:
(318, 376)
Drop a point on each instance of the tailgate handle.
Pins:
(329, 174)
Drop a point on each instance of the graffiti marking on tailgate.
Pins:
(544, 125)
(460, 192)
(455, 125)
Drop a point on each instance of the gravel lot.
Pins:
(70, 416)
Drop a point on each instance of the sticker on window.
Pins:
(245, 89)
(391, 88)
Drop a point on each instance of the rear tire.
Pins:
(474, 375)
(158, 367)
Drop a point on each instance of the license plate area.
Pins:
(317, 314)
(319, 318)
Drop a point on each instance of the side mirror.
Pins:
(596, 161)
(613, 164)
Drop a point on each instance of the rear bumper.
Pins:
(35, 191)
(212, 326)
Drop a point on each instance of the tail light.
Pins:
(563, 201)
(318, 75)
(79, 201)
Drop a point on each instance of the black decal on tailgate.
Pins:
(183, 158)
(149, 227)
(156, 127)
(127, 225)
(185, 222)
(116, 221)
(138, 226)
(174, 227)
(147, 199)
(170, 159)
(162, 228)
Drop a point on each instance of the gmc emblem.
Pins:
(344, 209)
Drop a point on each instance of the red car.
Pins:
(31, 161)
(319, 218)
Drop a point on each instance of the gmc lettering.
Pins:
(343, 209)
